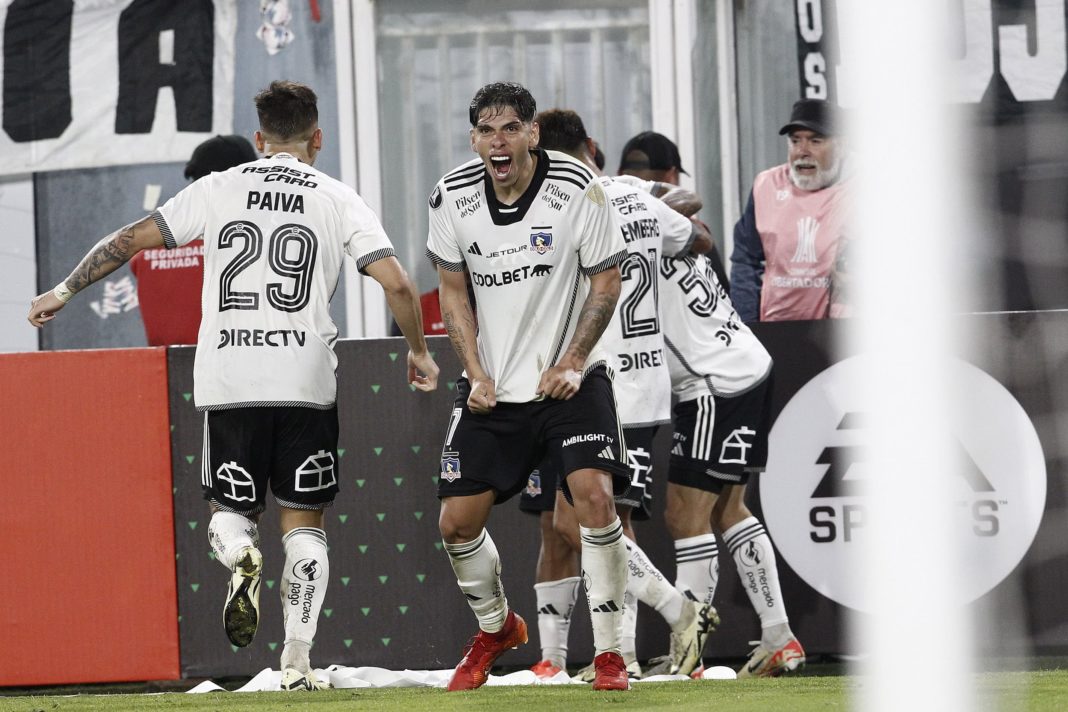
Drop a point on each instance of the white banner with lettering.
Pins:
(96, 83)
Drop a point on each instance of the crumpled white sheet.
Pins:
(343, 677)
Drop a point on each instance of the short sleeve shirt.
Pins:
(529, 262)
(275, 235)
(710, 350)
(634, 339)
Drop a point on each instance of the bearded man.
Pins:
(788, 246)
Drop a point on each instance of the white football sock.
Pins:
(297, 655)
(628, 642)
(754, 557)
(649, 585)
(604, 563)
(303, 590)
(556, 603)
(229, 533)
(478, 572)
(697, 567)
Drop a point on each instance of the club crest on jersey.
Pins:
(542, 242)
(450, 466)
(534, 484)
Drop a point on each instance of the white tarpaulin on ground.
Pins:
(342, 677)
(111, 82)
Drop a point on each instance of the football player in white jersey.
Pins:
(721, 375)
(276, 232)
(535, 231)
(633, 339)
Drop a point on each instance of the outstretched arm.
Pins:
(108, 255)
(563, 380)
(403, 301)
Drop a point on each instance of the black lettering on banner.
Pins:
(37, 96)
(822, 518)
(142, 75)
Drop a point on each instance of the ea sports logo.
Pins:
(816, 509)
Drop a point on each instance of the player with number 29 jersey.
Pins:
(284, 224)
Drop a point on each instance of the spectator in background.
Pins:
(654, 157)
(786, 243)
(169, 281)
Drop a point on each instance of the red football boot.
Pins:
(546, 669)
(483, 649)
(611, 672)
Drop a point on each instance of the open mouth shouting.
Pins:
(502, 166)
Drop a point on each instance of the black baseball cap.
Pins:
(812, 114)
(660, 151)
(217, 154)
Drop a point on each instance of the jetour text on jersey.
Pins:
(260, 337)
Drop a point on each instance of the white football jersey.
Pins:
(710, 350)
(633, 338)
(529, 262)
(275, 234)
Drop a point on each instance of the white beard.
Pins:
(818, 181)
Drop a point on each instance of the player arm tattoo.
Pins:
(594, 317)
(107, 256)
(681, 200)
(460, 324)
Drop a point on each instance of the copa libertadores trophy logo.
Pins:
(816, 508)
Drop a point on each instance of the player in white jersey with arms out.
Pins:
(535, 232)
(721, 375)
(276, 232)
(642, 389)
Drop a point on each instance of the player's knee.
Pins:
(454, 531)
(567, 532)
(734, 512)
(685, 518)
(683, 525)
(600, 504)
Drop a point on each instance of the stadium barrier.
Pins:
(86, 531)
(80, 533)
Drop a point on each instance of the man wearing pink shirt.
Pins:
(786, 244)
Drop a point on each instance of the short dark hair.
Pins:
(561, 130)
(217, 154)
(503, 94)
(287, 110)
(661, 153)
